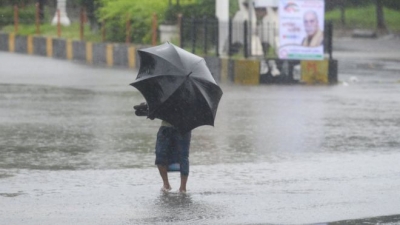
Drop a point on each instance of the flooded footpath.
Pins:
(73, 152)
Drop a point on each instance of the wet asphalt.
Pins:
(73, 152)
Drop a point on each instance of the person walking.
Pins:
(172, 148)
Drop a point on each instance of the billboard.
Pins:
(265, 3)
(301, 29)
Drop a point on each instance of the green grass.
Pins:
(27, 25)
(48, 30)
(365, 18)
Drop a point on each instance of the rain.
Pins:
(281, 151)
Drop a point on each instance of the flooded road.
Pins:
(73, 152)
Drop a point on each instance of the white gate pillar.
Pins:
(222, 13)
(64, 20)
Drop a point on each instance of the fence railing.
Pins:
(83, 26)
(201, 36)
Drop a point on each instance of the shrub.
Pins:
(26, 15)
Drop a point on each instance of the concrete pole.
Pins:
(250, 28)
(64, 20)
(222, 13)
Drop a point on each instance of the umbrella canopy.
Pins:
(178, 87)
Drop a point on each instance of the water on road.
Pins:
(73, 152)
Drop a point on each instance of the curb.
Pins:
(226, 70)
(106, 54)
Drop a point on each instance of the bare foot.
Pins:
(166, 189)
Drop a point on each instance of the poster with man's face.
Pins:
(301, 29)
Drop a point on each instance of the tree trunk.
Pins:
(41, 9)
(342, 15)
(90, 10)
(379, 16)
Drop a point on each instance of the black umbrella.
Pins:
(178, 87)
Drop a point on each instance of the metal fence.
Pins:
(199, 35)
(243, 39)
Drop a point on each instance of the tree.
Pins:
(380, 20)
(200, 8)
(342, 6)
(90, 7)
(14, 2)
(379, 5)
(392, 4)
(41, 9)
(116, 13)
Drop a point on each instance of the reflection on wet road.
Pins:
(72, 151)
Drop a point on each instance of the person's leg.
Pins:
(184, 179)
(184, 145)
(164, 175)
(162, 146)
